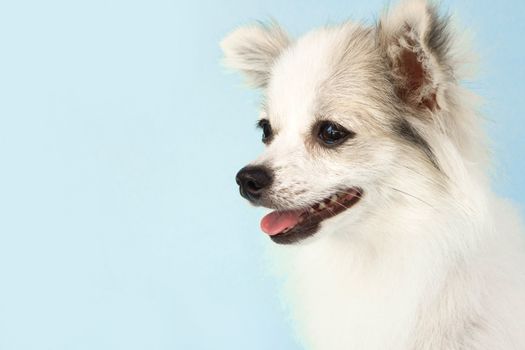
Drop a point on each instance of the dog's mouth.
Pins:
(290, 226)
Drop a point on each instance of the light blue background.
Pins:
(120, 134)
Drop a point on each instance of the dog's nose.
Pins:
(253, 180)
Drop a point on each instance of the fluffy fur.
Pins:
(429, 258)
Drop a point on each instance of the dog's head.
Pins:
(348, 113)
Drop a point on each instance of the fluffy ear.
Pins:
(253, 50)
(416, 43)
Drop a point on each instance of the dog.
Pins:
(375, 167)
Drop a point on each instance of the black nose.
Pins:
(253, 180)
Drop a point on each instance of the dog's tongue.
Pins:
(278, 221)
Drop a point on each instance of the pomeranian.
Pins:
(376, 168)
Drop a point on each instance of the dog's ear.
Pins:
(253, 50)
(416, 43)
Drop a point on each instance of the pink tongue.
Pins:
(276, 222)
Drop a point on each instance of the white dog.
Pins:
(376, 168)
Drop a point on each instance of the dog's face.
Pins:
(337, 120)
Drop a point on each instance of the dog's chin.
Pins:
(294, 225)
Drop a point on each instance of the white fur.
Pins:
(429, 258)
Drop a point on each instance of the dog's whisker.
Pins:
(341, 204)
(413, 196)
(353, 193)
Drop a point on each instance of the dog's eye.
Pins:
(332, 133)
(264, 124)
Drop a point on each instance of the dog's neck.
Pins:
(374, 281)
